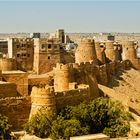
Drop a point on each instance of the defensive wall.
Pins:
(17, 109)
(19, 78)
(45, 97)
(7, 89)
(8, 64)
(39, 81)
(72, 97)
(81, 73)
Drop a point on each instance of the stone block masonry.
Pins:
(17, 109)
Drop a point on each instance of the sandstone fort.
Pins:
(59, 69)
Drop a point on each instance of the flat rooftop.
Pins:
(13, 72)
(32, 76)
(3, 82)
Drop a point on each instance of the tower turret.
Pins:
(129, 51)
(85, 51)
(110, 50)
(43, 98)
(61, 77)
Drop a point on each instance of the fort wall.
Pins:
(8, 64)
(17, 109)
(39, 81)
(19, 78)
(85, 73)
(72, 97)
(7, 89)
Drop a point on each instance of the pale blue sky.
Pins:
(73, 16)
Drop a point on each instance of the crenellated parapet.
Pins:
(88, 67)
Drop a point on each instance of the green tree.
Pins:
(4, 126)
(39, 124)
(109, 117)
(64, 129)
(80, 112)
(100, 115)
(117, 130)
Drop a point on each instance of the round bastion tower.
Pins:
(100, 52)
(129, 51)
(110, 50)
(43, 98)
(85, 51)
(61, 77)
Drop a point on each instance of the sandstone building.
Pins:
(3, 47)
(22, 49)
(46, 54)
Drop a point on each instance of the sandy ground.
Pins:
(127, 84)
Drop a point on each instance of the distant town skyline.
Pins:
(73, 16)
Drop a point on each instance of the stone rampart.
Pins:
(72, 97)
(19, 78)
(17, 109)
(8, 64)
(7, 89)
(39, 81)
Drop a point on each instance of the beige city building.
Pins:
(46, 54)
(22, 49)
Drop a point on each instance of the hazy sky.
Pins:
(73, 16)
